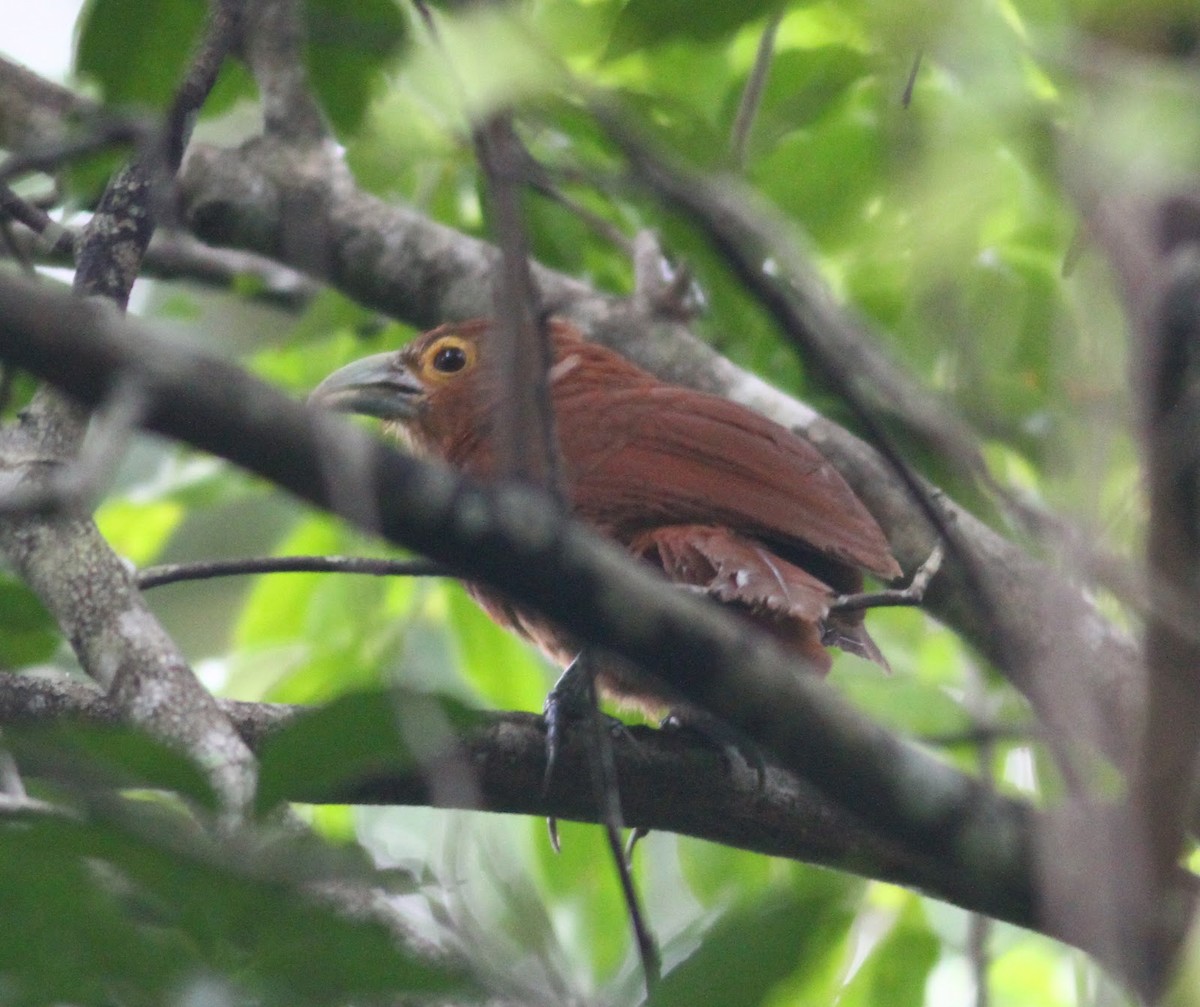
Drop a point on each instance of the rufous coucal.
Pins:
(714, 496)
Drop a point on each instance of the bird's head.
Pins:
(438, 394)
(424, 392)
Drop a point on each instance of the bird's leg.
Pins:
(912, 595)
(574, 697)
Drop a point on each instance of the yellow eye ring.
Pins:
(448, 356)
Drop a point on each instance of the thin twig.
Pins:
(739, 136)
(526, 445)
(603, 767)
(539, 181)
(176, 255)
(57, 238)
(910, 596)
(274, 49)
(979, 926)
(528, 448)
(105, 132)
(110, 250)
(979, 734)
(175, 573)
(907, 94)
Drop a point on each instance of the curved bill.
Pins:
(379, 386)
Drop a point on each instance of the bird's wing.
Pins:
(778, 596)
(734, 569)
(656, 454)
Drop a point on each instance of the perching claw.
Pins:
(574, 698)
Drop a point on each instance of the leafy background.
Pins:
(946, 221)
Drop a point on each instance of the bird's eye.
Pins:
(450, 359)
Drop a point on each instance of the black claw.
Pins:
(571, 698)
(574, 698)
(635, 836)
(735, 748)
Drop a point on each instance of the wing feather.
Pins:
(651, 453)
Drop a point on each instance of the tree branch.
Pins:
(669, 782)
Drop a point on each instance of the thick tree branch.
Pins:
(1162, 243)
(35, 112)
(670, 781)
(176, 255)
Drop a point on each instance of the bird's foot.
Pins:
(734, 747)
(572, 702)
(573, 698)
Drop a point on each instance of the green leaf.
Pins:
(908, 705)
(898, 967)
(138, 531)
(824, 173)
(352, 740)
(484, 59)
(505, 670)
(643, 24)
(79, 756)
(350, 44)
(754, 947)
(146, 905)
(802, 86)
(70, 939)
(30, 633)
(1029, 972)
(139, 52)
(715, 872)
(586, 894)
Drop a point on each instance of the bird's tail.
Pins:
(852, 637)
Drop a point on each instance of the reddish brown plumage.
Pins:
(715, 496)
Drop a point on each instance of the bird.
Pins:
(716, 497)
